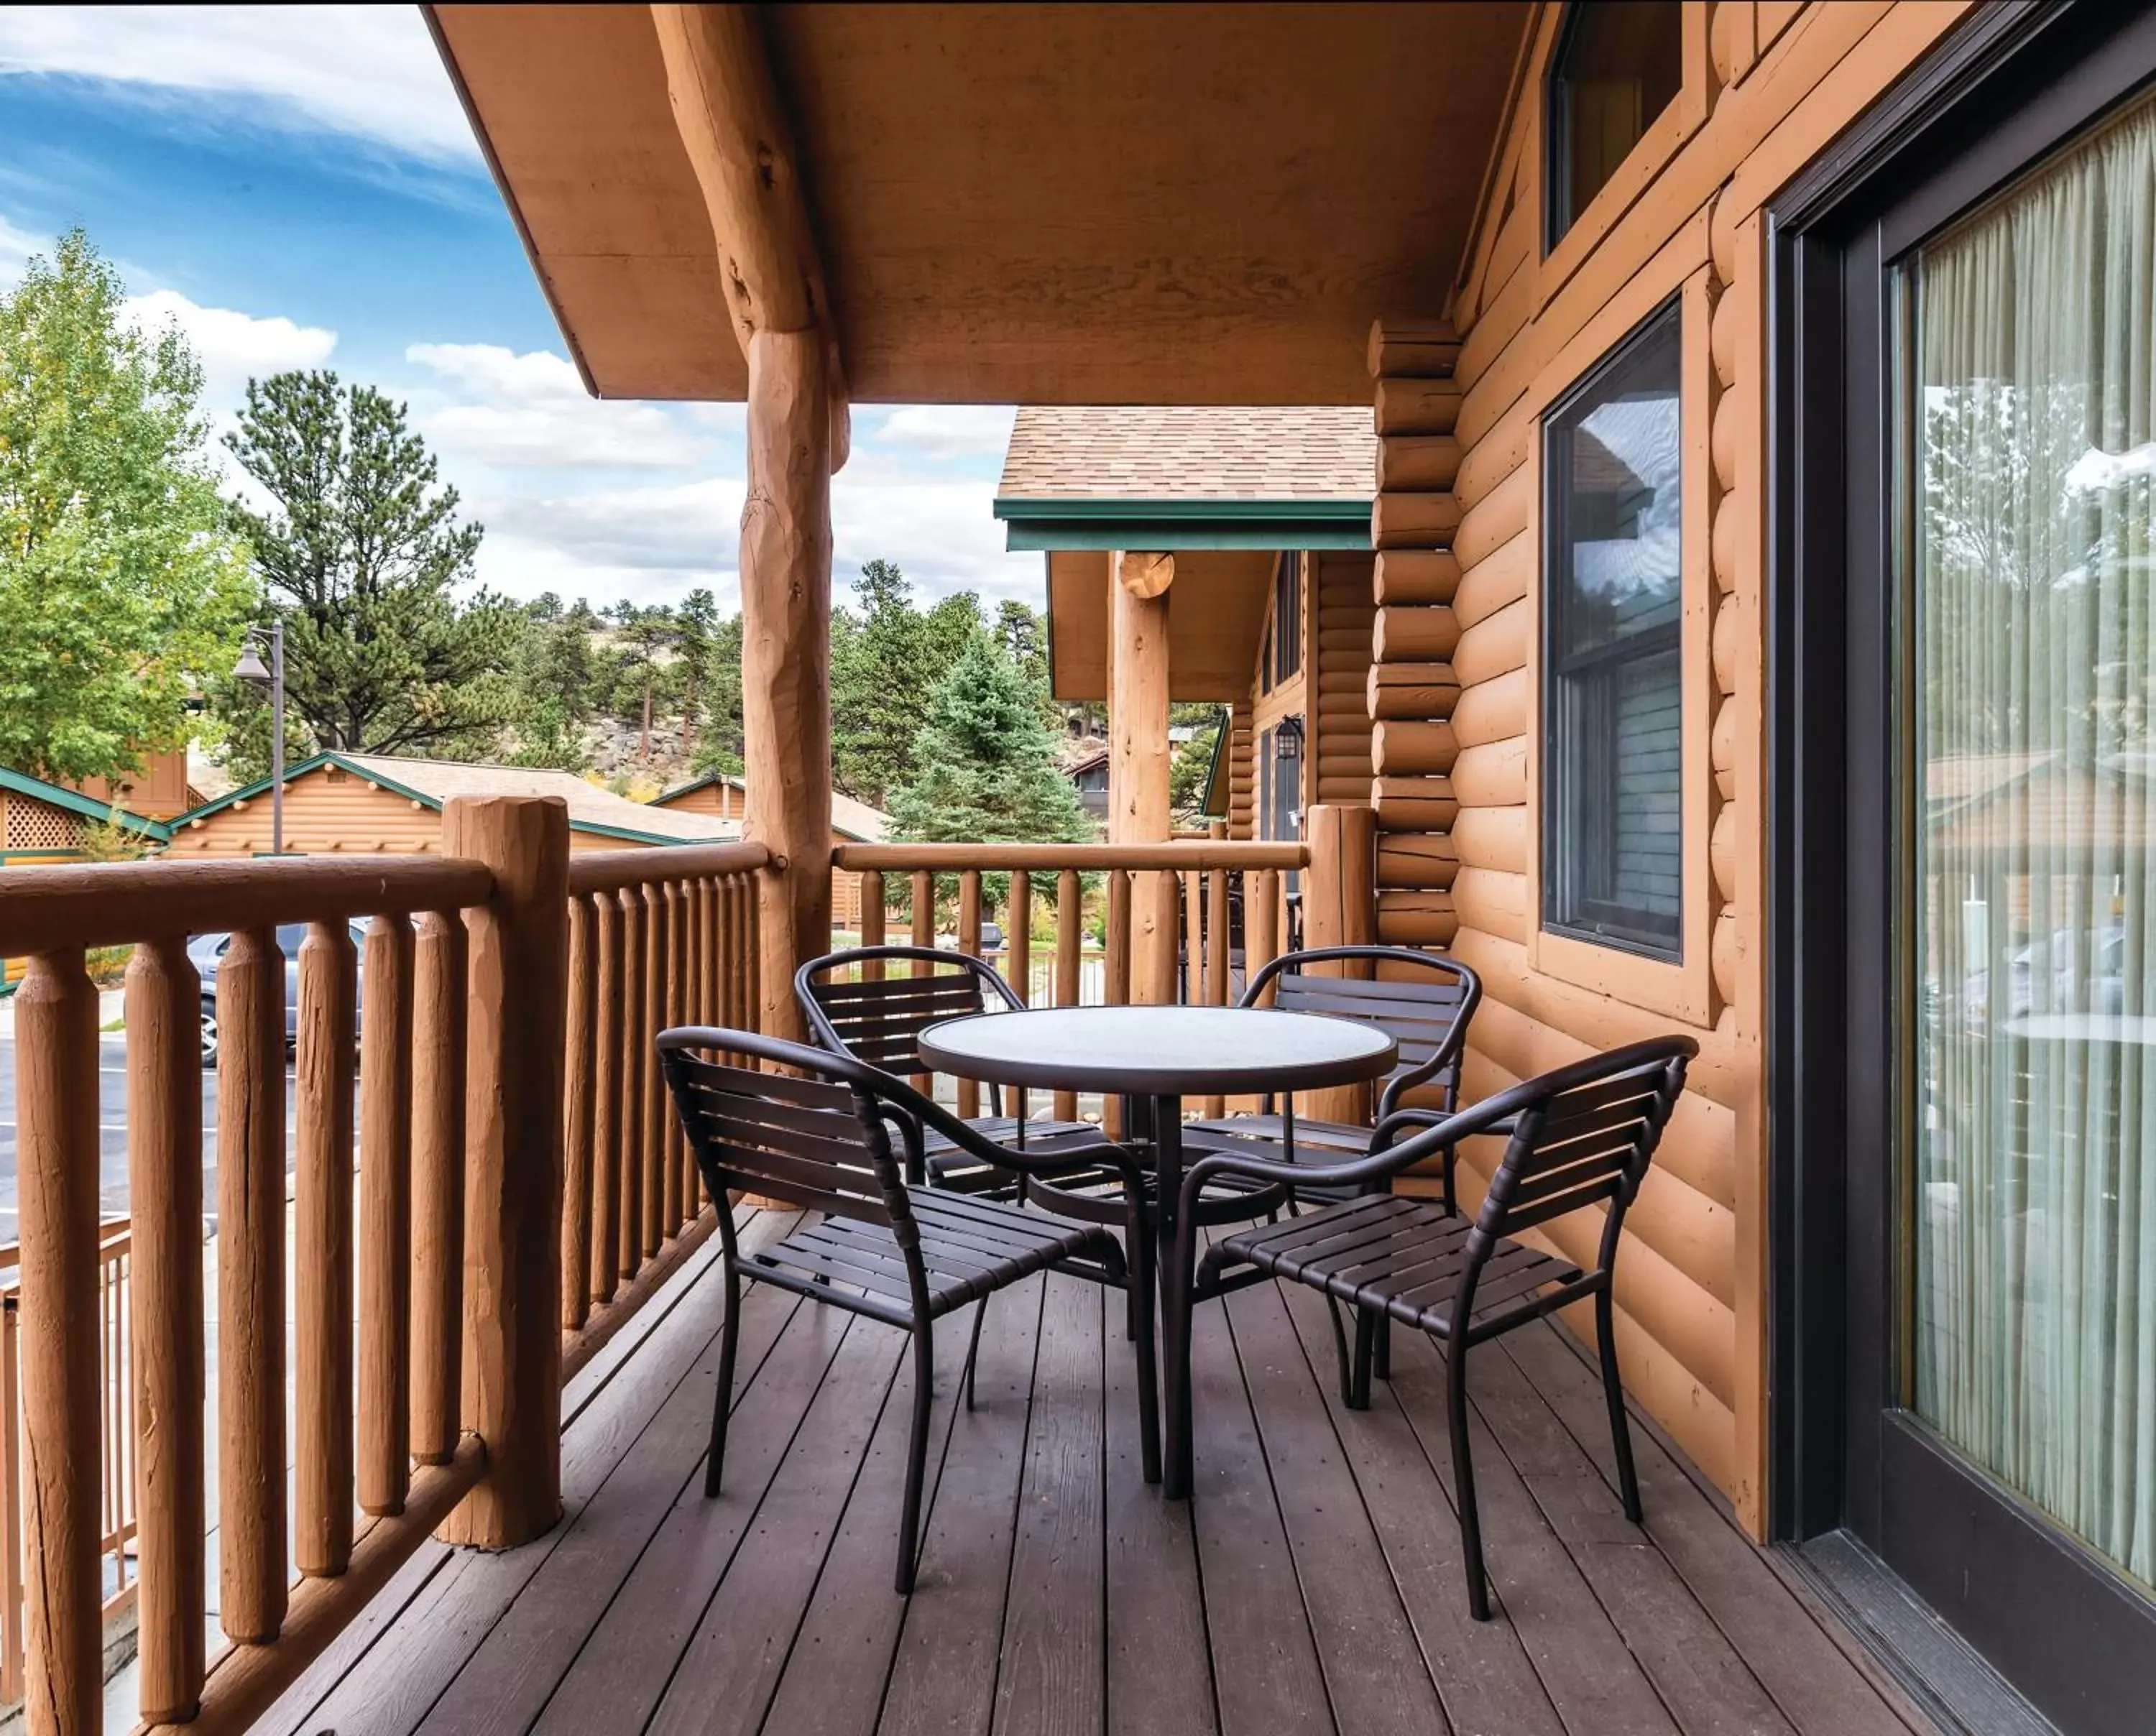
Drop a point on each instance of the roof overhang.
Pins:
(1216, 614)
(1177, 525)
(1196, 204)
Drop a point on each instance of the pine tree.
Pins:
(987, 765)
(386, 650)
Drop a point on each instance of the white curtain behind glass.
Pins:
(2033, 1183)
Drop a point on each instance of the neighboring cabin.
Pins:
(350, 803)
(1265, 513)
(724, 795)
(43, 824)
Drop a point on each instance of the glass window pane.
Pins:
(1618, 65)
(2028, 447)
(1613, 765)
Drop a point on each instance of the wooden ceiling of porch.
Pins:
(1031, 204)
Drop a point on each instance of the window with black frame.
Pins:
(1617, 65)
(1612, 769)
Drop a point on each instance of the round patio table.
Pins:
(1155, 1056)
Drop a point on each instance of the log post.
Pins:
(786, 657)
(322, 1270)
(437, 1184)
(1339, 909)
(57, 1087)
(385, 1241)
(1138, 758)
(250, 1287)
(518, 966)
(164, 1180)
(735, 131)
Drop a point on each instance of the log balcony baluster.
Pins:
(499, 1175)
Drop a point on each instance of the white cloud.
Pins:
(650, 543)
(949, 430)
(233, 347)
(366, 71)
(16, 247)
(654, 544)
(942, 534)
(531, 409)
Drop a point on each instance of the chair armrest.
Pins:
(926, 1111)
(1439, 1136)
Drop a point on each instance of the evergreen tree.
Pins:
(122, 586)
(886, 661)
(365, 560)
(988, 771)
(555, 673)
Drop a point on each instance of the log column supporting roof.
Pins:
(735, 129)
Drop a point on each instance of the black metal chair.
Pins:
(1579, 1137)
(880, 1020)
(1429, 1019)
(818, 1137)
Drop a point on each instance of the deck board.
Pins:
(1313, 1585)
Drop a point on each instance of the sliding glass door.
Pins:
(2021, 345)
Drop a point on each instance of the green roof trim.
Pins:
(367, 774)
(75, 802)
(1095, 523)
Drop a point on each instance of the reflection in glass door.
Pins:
(2026, 558)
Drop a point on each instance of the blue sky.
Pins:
(296, 187)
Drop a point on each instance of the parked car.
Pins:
(207, 951)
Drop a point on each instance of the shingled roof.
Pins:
(1188, 477)
(1190, 452)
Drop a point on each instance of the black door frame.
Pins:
(2006, 88)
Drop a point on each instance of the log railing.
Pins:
(509, 1000)
(656, 938)
(1184, 921)
(117, 1464)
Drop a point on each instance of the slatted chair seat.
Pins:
(1426, 1014)
(969, 1248)
(879, 1019)
(813, 1128)
(1407, 1258)
(1577, 1139)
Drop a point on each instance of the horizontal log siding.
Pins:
(1782, 83)
(1341, 588)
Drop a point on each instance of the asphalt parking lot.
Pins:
(111, 1130)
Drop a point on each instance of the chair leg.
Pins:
(1178, 1472)
(1381, 1360)
(1463, 1480)
(917, 1455)
(1613, 1393)
(1366, 1351)
(1340, 1353)
(1142, 1288)
(715, 1461)
(974, 1348)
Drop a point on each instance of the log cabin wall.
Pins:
(1338, 583)
(1242, 787)
(1452, 689)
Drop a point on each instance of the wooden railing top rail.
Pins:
(1177, 857)
(610, 870)
(49, 910)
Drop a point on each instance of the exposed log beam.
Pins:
(734, 128)
(1145, 575)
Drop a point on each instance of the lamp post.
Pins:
(249, 668)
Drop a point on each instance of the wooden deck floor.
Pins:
(1313, 1585)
